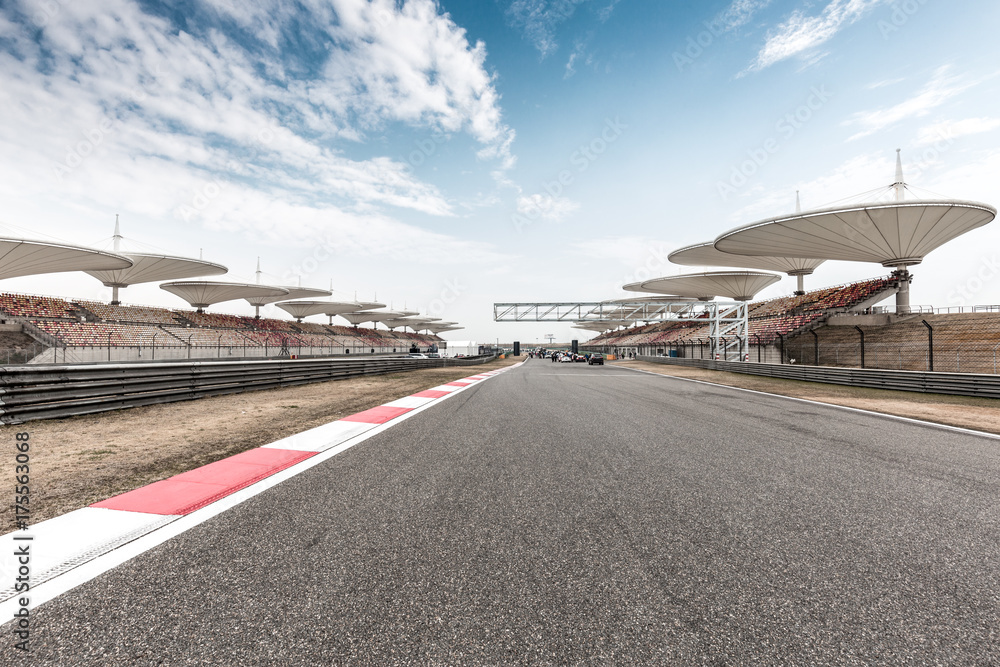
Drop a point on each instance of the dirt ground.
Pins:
(81, 460)
(981, 414)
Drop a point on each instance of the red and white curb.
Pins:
(73, 548)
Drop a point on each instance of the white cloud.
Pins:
(115, 109)
(538, 19)
(936, 92)
(801, 33)
(546, 207)
(739, 13)
(578, 51)
(953, 129)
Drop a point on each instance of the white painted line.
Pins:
(88, 532)
(409, 402)
(322, 437)
(86, 571)
(446, 388)
(921, 422)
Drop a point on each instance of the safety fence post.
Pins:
(862, 345)
(930, 347)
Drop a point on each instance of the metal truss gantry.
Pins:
(728, 329)
(727, 320)
(573, 311)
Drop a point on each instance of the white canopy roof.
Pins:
(203, 293)
(340, 307)
(738, 285)
(300, 309)
(24, 257)
(706, 254)
(149, 268)
(898, 233)
(290, 293)
(360, 317)
(370, 305)
(394, 322)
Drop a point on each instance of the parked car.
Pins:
(579, 358)
(596, 359)
(565, 359)
(434, 355)
(416, 355)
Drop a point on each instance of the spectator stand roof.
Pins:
(302, 309)
(896, 233)
(370, 305)
(736, 285)
(706, 254)
(599, 326)
(357, 318)
(27, 257)
(151, 268)
(403, 322)
(204, 293)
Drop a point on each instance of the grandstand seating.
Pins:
(206, 336)
(119, 313)
(98, 334)
(767, 319)
(213, 320)
(25, 305)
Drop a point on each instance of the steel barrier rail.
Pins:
(53, 391)
(959, 384)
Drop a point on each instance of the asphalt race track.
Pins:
(563, 513)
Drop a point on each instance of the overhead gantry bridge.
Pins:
(638, 310)
(727, 320)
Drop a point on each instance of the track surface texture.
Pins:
(568, 514)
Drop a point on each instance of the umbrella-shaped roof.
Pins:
(203, 293)
(898, 233)
(150, 268)
(370, 305)
(738, 285)
(290, 293)
(340, 307)
(26, 257)
(300, 309)
(706, 254)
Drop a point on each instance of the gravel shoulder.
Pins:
(81, 460)
(980, 414)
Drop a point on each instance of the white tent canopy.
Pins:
(25, 257)
(203, 293)
(738, 285)
(706, 254)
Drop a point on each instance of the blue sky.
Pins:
(449, 155)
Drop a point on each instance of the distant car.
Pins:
(434, 355)
(566, 359)
(579, 358)
(596, 359)
(416, 355)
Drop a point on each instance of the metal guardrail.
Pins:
(959, 384)
(53, 391)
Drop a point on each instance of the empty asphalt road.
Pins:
(567, 514)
